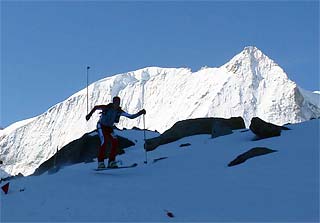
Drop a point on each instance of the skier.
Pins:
(110, 114)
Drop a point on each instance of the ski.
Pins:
(120, 167)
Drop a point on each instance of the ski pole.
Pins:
(144, 137)
(88, 89)
(144, 124)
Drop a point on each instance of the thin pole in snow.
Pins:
(144, 135)
(88, 89)
(55, 159)
(144, 125)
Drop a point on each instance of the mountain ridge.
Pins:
(249, 85)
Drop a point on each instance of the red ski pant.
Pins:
(106, 136)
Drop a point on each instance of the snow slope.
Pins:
(250, 84)
(194, 183)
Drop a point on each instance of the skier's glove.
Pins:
(142, 112)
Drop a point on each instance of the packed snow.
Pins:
(194, 183)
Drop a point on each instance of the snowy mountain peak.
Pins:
(253, 54)
(253, 62)
(252, 50)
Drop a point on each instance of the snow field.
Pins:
(194, 183)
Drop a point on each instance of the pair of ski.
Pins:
(128, 166)
(116, 168)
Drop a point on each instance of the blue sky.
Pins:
(46, 46)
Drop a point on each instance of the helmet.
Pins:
(116, 100)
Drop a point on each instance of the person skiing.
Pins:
(110, 114)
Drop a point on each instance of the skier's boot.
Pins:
(112, 164)
(101, 165)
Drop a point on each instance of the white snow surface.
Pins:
(194, 183)
(250, 84)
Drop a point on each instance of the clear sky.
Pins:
(46, 46)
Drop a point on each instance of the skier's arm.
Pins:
(97, 107)
(132, 116)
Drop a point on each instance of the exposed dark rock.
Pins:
(161, 158)
(285, 128)
(191, 127)
(81, 150)
(220, 128)
(265, 129)
(20, 175)
(185, 144)
(257, 151)
(136, 128)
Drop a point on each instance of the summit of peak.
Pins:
(250, 49)
(252, 52)
(251, 58)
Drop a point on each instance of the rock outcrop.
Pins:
(264, 129)
(193, 127)
(81, 150)
(257, 151)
